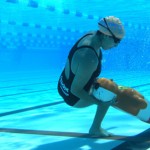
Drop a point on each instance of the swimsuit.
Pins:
(64, 84)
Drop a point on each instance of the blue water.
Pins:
(36, 37)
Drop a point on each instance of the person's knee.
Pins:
(83, 103)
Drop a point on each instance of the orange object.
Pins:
(128, 99)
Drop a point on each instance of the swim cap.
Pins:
(114, 24)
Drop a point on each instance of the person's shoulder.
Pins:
(88, 56)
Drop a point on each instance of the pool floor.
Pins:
(34, 117)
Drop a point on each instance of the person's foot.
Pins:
(99, 133)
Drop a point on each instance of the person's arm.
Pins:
(86, 64)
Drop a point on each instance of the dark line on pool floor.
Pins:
(136, 138)
(30, 108)
(26, 85)
(59, 133)
(137, 86)
(16, 94)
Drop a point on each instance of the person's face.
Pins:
(109, 42)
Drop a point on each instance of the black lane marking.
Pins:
(143, 136)
(30, 108)
(66, 134)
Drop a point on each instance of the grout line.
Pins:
(25, 93)
(26, 78)
(28, 84)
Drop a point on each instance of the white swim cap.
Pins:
(111, 24)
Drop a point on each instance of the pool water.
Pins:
(36, 36)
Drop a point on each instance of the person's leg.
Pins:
(102, 107)
(83, 103)
(96, 129)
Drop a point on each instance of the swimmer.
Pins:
(83, 67)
